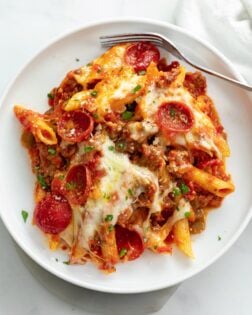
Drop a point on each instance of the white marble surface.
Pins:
(224, 288)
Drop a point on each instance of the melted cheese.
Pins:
(140, 131)
(119, 188)
(113, 93)
(109, 61)
(201, 134)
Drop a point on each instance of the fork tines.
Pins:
(109, 41)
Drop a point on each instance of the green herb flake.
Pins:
(172, 112)
(123, 252)
(130, 192)
(95, 116)
(176, 191)
(94, 93)
(109, 217)
(50, 95)
(136, 88)
(111, 228)
(143, 72)
(71, 185)
(24, 215)
(77, 59)
(187, 214)
(67, 262)
(106, 196)
(121, 145)
(88, 149)
(111, 148)
(37, 167)
(184, 188)
(42, 181)
(61, 177)
(51, 151)
(127, 115)
(219, 238)
(89, 64)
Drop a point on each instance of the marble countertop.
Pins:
(26, 289)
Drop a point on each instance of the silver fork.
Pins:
(167, 44)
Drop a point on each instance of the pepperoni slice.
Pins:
(77, 184)
(75, 126)
(129, 243)
(57, 185)
(175, 117)
(53, 213)
(141, 54)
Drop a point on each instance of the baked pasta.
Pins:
(130, 156)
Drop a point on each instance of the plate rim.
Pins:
(99, 287)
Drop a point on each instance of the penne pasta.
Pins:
(182, 237)
(35, 123)
(209, 182)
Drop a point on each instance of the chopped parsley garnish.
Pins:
(111, 148)
(61, 176)
(187, 214)
(77, 59)
(121, 145)
(42, 181)
(89, 64)
(136, 88)
(176, 191)
(219, 238)
(143, 72)
(66, 262)
(96, 116)
(106, 196)
(184, 188)
(24, 215)
(127, 115)
(172, 112)
(88, 149)
(123, 252)
(71, 185)
(111, 228)
(94, 93)
(50, 95)
(51, 151)
(130, 192)
(109, 217)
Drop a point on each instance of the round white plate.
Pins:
(151, 271)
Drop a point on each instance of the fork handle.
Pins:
(219, 75)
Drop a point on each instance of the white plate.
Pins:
(150, 272)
